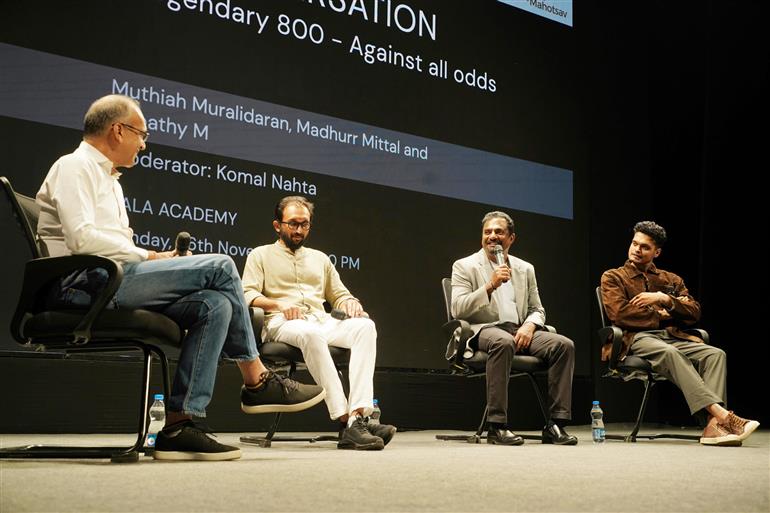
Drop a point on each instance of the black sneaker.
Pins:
(384, 431)
(191, 441)
(359, 438)
(279, 394)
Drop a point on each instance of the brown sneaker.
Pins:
(716, 434)
(738, 426)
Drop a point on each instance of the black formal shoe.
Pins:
(503, 436)
(553, 434)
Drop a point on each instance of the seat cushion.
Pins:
(281, 352)
(520, 363)
(634, 363)
(54, 328)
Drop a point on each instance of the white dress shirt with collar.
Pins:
(83, 210)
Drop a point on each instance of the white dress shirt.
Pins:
(83, 210)
(504, 297)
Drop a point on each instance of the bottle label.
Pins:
(150, 442)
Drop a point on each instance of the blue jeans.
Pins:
(204, 295)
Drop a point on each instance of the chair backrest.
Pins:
(602, 312)
(26, 212)
(446, 287)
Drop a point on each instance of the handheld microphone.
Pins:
(341, 315)
(182, 243)
(499, 255)
(336, 313)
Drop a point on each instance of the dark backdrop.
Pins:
(665, 122)
(405, 241)
(677, 98)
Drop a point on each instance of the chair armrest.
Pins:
(457, 331)
(616, 335)
(703, 334)
(549, 328)
(257, 322)
(41, 273)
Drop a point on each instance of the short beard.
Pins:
(289, 242)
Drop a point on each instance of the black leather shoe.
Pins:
(553, 434)
(503, 436)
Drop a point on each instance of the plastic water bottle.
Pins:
(157, 420)
(374, 418)
(597, 423)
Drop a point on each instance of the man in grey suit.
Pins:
(502, 304)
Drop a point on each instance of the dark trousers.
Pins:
(556, 350)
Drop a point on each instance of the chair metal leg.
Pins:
(634, 435)
(164, 369)
(474, 438)
(642, 408)
(115, 454)
(478, 436)
(143, 409)
(648, 384)
(269, 438)
(541, 403)
(539, 394)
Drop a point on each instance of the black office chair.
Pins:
(281, 355)
(458, 332)
(633, 367)
(91, 329)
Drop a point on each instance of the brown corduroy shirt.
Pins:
(620, 285)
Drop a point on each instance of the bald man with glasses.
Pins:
(83, 212)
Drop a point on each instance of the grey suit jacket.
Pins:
(469, 295)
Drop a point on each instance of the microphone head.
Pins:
(336, 313)
(499, 256)
(182, 243)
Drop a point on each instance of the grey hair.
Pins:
(105, 111)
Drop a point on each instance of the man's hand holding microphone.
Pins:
(501, 274)
(181, 248)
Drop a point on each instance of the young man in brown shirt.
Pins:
(652, 307)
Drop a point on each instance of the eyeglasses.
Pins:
(294, 225)
(144, 135)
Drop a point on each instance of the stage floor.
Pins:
(415, 472)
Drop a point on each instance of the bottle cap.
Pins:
(158, 397)
(595, 403)
(375, 402)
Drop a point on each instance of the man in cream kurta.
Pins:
(290, 283)
(502, 304)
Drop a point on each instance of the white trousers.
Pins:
(313, 336)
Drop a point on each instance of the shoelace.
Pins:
(204, 430)
(735, 424)
(360, 425)
(287, 384)
(198, 426)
